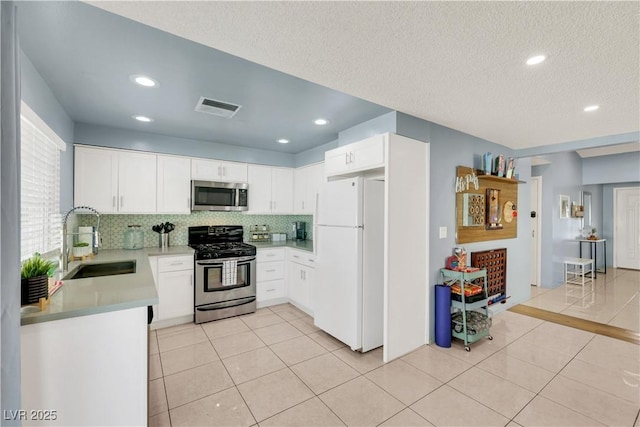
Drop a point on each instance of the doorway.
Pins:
(626, 227)
(536, 204)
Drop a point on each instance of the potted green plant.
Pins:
(35, 274)
(81, 249)
(592, 235)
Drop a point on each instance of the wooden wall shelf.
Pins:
(499, 179)
(473, 213)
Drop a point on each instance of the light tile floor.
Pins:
(612, 298)
(274, 368)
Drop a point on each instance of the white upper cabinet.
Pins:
(218, 170)
(270, 189)
(174, 184)
(96, 179)
(136, 182)
(115, 181)
(307, 181)
(360, 156)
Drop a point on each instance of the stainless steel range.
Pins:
(225, 272)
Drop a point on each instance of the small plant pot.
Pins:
(33, 289)
(80, 251)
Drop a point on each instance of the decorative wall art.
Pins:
(564, 206)
(486, 206)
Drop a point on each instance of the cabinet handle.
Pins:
(224, 171)
(219, 170)
(303, 205)
(296, 256)
(271, 254)
(121, 201)
(346, 158)
(351, 157)
(176, 263)
(271, 271)
(311, 260)
(113, 203)
(270, 290)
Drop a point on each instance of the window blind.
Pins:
(41, 221)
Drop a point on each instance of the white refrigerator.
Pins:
(349, 237)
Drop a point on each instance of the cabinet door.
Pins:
(259, 189)
(233, 172)
(137, 182)
(175, 293)
(296, 288)
(281, 190)
(315, 178)
(205, 170)
(299, 190)
(309, 279)
(336, 161)
(174, 184)
(95, 181)
(368, 153)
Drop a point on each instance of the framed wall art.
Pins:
(565, 206)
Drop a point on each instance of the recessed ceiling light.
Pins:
(321, 122)
(143, 119)
(535, 60)
(591, 108)
(283, 141)
(142, 80)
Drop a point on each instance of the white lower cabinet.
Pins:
(300, 283)
(270, 276)
(173, 277)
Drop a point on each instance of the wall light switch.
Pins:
(443, 232)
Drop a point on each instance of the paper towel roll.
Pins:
(85, 234)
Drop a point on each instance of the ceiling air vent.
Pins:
(217, 108)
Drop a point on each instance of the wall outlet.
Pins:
(443, 232)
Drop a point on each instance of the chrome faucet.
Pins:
(64, 256)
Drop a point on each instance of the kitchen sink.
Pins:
(84, 271)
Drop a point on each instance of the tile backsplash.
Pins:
(112, 227)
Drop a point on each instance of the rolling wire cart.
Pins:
(470, 321)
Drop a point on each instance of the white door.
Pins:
(627, 227)
(536, 202)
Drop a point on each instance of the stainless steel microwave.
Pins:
(219, 196)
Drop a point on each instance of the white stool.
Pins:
(576, 270)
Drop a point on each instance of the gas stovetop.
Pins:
(219, 242)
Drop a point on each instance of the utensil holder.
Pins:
(163, 239)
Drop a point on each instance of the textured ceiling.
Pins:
(459, 64)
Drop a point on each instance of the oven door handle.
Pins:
(226, 304)
(221, 261)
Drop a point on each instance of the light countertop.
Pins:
(305, 245)
(81, 297)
